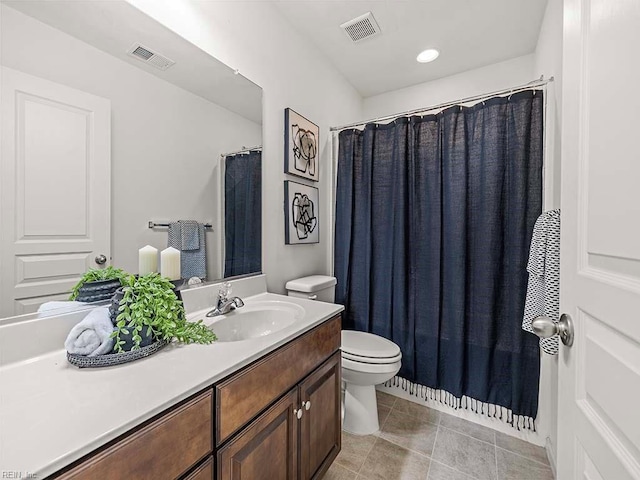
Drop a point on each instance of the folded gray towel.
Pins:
(92, 336)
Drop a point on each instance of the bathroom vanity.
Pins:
(277, 418)
(268, 407)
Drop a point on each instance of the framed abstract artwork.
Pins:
(301, 140)
(300, 213)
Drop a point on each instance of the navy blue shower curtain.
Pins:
(434, 217)
(243, 213)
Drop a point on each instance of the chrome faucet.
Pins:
(225, 304)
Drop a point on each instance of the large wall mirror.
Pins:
(116, 134)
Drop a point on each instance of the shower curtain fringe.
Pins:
(504, 414)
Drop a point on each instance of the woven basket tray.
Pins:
(111, 359)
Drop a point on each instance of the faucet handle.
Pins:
(225, 290)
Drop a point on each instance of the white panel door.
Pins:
(54, 189)
(599, 377)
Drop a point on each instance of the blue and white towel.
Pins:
(543, 288)
(188, 237)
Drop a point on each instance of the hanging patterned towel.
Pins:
(543, 289)
(193, 251)
(190, 234)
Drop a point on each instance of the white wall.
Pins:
(509, 73)
(490, 78)
(254, 38)
(548, 62)
(166, 142)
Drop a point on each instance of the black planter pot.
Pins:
(97, 291)
(129, 343)
(128, 338)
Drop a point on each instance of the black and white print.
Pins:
(301, 146)
(543, 288)
(301, 213)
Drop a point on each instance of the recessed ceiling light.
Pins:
(428, 55)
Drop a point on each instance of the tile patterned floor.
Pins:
(418, 443)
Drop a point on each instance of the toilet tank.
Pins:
(314, 287)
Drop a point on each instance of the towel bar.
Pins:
(156, 224)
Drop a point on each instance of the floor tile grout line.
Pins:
(467, 435)
(449, 428)
(524, 456)
(435, 440)
(367, 456)
(346, 468)
(455, 470)
(422, 454)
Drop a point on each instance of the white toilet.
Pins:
(367, 360)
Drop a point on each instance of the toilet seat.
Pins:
(376, 360)
(366, 347)
(379, 368)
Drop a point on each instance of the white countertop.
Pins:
(52, 413)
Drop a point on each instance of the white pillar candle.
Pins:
(170, 263)
(147, 260)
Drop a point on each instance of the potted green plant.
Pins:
(148, 310)
(98, 284)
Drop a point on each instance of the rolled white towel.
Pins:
(91, 336)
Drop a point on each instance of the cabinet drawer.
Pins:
(166, 448)
(244, 395)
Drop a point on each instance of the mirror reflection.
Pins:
(118, 135)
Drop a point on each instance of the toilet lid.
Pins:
(368, 345)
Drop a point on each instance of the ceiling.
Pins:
(114, 27)
(468, 33)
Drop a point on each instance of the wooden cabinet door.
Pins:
(267, 448)
(320, 429)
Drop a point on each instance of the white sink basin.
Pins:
(256, 319)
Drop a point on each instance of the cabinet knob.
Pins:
(298, 413)
(307, 405)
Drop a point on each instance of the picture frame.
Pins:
(301, 204)
(301, 146)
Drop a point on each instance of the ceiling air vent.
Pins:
(150, 57)
(365, 26)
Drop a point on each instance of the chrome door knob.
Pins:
(545, 327)
(101, 259)
(298, 413)
(307, 405)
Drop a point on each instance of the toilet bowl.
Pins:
(367, 360)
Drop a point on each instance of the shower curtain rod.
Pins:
(244, 150)
(533, 84)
